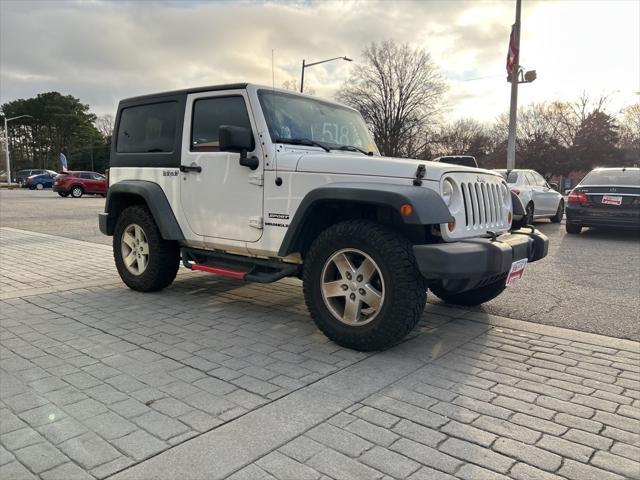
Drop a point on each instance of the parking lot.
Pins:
(213, 378)
(588, 282)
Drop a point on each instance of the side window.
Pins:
(148, 128)
(540, 181)
(531, 179)
(209, 114)
(97, 176)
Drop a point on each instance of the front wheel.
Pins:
(145, 261)
(362, 286)
(473, 297)
(39, 186)
(557, 218)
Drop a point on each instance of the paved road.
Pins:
(215, 379)
(588, 282)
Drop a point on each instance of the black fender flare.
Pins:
(428, 206)
(118, 198)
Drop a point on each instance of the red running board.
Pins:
(220, 271)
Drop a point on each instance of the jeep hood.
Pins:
(357, 164)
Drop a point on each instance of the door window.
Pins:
(540, 181)
(531, 179)
(209, 114)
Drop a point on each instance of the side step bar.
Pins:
(236, 266)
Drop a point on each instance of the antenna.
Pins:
(273, 75)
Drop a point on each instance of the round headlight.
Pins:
(447, 192)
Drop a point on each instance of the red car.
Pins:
(77, 184)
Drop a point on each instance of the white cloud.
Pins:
(104, 51)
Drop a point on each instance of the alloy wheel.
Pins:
(352, 287)
(135, 249)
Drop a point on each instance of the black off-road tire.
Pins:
(164, 255)
(529, 213)
(573, 228)
(405, 288)
(76, 191)
(557, 218)
(471, 298)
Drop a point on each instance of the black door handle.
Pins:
(190, 168)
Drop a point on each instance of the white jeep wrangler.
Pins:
(258, 184)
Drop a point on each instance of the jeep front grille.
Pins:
(480, 203)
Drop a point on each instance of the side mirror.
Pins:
(554, 186)
(238, 139)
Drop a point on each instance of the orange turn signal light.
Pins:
(509, 218)
(406, 210)
(451, 225)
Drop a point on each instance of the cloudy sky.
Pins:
(102, 51)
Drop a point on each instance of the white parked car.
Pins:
(256, 184)
(537, 196)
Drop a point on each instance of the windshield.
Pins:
(292, 117)
(511, 178)
(630, 178)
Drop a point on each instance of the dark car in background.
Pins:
(605, 197)
(77, 184)
(22, 175)
(462, 160)
(38, 182)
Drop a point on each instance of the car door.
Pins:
(220, 198)
(98, 183)
(548, 196)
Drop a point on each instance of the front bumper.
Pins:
(468, 263)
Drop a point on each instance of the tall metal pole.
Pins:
(6, 150)
(302, 77)
(513, 108)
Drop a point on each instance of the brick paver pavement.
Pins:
(217, 379)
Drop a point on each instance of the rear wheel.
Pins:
(473, 297)
(145, 261)
(77, 191)
(362, 285)
(573, 228)
(557, 218)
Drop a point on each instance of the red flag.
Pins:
(512, 53)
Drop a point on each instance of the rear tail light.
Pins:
(516, 191)
(578, 197)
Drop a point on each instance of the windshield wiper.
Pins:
(353, 148)
(303, 141)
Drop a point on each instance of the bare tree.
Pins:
(463, 137)
(397, 89)
(630, 127)
(292, 84)
(104, 124)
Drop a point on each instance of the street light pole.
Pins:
(306, 65)
(6, 142)
(513, 108)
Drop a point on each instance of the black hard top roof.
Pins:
(229, 86)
